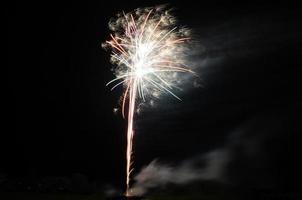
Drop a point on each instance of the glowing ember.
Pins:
(147, 52)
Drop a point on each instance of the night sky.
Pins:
(59, 117)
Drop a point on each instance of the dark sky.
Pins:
(60, 118)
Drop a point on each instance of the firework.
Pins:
(148, 53)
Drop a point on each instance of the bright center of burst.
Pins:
(141, 66)
(140, 72)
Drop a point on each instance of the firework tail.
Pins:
(130, 132)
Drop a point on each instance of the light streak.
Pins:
(147, 50)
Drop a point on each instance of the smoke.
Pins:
(208, 167)
(247, 144)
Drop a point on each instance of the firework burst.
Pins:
(148, 51)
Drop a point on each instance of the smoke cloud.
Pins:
(208, 167)
(246, 144)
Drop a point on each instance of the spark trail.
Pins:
(148, 53)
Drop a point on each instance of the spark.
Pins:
(147, 50)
